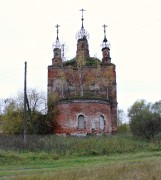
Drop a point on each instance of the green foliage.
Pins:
(138, 107)
(158, 137)
(145, 121)
(52, 112)
(156, 107)
(12, 122)
(13, 115)
(12, 118)
(42, 124)
(71, 62)
(123, 128)
(91, 61)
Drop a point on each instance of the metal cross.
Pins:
(82, 16)
(82, 12)
(57, 26)
(104, 26)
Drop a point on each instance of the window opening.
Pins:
(81, 122)
(102, 122)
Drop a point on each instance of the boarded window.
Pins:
(101, 122)
(81, 122)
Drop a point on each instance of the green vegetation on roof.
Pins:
(71, 62)
(91, 61)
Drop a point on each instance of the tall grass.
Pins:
(77, 146)
(104, 157)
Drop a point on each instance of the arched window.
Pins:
(80, 122)
(101, 122)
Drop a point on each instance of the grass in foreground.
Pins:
(128, 166)
(78, 146)
(107, 157)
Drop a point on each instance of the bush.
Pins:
(123, 128)
(146, 125)
(145, 119)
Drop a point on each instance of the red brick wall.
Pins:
(67, 120)
(105, 78)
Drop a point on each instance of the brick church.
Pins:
(85, 88)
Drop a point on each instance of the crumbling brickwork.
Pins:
(86, 90)
(92, 110)
(98, 98)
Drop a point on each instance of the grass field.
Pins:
(140, 160)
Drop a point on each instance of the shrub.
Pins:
(123, 128)
(146, 124)
(145, 119)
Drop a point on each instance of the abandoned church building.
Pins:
(85, 87)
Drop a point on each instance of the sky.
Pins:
(27, 32)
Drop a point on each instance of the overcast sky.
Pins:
(27, 32)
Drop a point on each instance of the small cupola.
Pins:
(106, 59)
(82, 42)
(57, 59)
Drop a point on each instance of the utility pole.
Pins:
(29, 110)
(25, 127)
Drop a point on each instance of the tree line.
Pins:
(40, 114)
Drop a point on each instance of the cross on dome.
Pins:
(57, 27)
(82, 17)
(105, 42)
(57, 43)
(82, 34)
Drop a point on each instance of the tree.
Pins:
(123, 127)
(156, 107)
(52, 111)
(121, 117)
(36, 100)
(138, 107)
(13, 115)
(144, 121)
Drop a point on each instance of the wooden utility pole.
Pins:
(25, 127)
